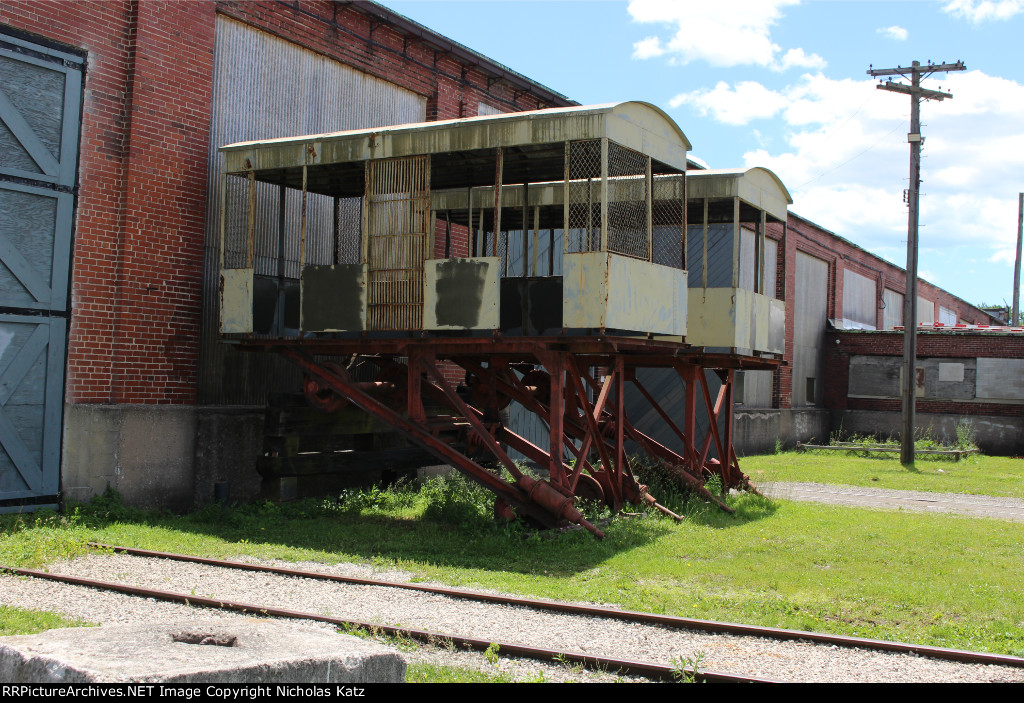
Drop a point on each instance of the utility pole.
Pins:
(915, 72)
(1015, 318)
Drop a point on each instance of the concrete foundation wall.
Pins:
(1001, 436)
(144, 452)
(756, 430)
(160, 456)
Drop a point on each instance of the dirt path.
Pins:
(959, 503)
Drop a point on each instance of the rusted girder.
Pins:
(533, 498)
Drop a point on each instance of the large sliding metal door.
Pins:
(40, 103)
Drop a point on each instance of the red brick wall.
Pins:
(841, 255)
(840, 346)
(140, 214)
(137, 260)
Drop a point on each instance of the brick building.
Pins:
(830, 285)
(110, 117)
(112, 113)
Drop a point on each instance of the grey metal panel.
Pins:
(893, 314)
(946, 316)
(809, 314)
(40, 105)
(757, 389)
(1000, 379)
(719, 256)
(944, 379)
(263, 87)
(860, 298)
(925, 311)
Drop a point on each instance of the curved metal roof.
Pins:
(637, 125)
(756, 186)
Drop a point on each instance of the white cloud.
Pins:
(748, 101)
(985, 10)
(894, 32)
(845, 158)
(797, 58)
(648, 48)
(723, 33)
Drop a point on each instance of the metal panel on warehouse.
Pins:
(266, 86)
(40, 104)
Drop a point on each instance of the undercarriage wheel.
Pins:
(486, 398)
(320, 395)
(589, 488)
(541, 381)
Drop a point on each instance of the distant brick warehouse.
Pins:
(151, 405)
(827, 283)
(962, 377)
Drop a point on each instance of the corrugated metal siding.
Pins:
(810, 312)
(771, 254)
(266, 87)
(947, 316)
(719, 256)
(925, 311)
(893, 313)
(858, 301)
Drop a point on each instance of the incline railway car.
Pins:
(535, 257)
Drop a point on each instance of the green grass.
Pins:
(934, 579)
(978, 475)
(18, 621)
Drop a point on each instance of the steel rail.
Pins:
(621, 666)
(675, 621)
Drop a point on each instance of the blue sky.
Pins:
(783, 84)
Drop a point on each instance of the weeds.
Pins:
(688, 669)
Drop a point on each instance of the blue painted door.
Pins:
(40, 103)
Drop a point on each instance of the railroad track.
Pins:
(632, 667)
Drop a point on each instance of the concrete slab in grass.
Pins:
(254, 651)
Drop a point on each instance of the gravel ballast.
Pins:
(771, 659)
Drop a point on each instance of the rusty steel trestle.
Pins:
(553, 384)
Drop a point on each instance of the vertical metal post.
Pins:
(302, 234)
(704, 263)
(526, 228)
(604, 194)
(499, 170)
(251, 222)
(281, 231)
(1015, 319)
(336, 232)
(536, 237)
(470, 232)
(620, 419)
(565, 203)
(762, 236)
(557, 410)
(649, 187)
(735, 242)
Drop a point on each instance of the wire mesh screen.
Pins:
(627, 206)
(348, 223)
(667, 238)
(398, 216)
(584, 226)
(236, 222)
